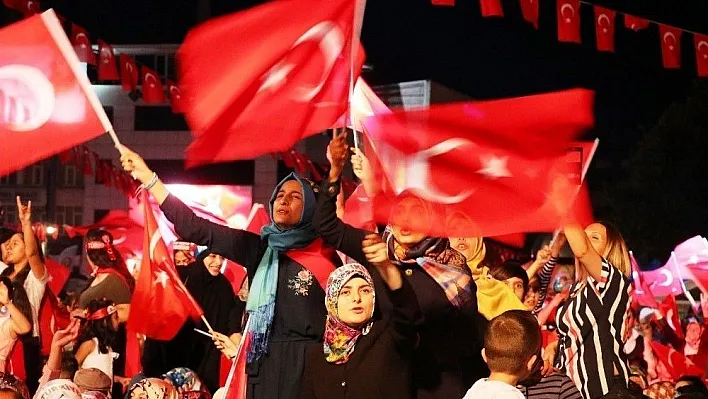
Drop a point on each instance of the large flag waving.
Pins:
(161, 303)
(283, 74)
(46, 101)
(127, 234)
(493, 170)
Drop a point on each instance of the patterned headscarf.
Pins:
(187, 383)
(339, 338)
(152, 388)
(9, 381)
(58, 389)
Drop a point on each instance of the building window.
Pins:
(71, 215)
(159, 119)
(36, 175)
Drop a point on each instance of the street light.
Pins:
(51, 230)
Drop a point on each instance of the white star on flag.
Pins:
(161, 278)
(495, 167)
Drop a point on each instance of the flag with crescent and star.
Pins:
(283, 74)
(701, 44)
(642, 295)
(568, 20)
(670, 46)
(690, 259)
(47, 103)
(127, 233)
(675, 363)
(503, 164)
(161, 302)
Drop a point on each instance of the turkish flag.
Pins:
(177, 102)
(605, 29)
(670, 311)
(300, 162)
(442, 2)
(107, 69)
(88, 170)
(568, 17)
(28, 8)
(289, 80)
(676, 363)
(635, 23)
(127, 234)
(237, 374)
(128, 73)
(642, 293)
(161, 302)
(82, 44)
(491, 8)
(502, 171)
(363, 104)
(46, 101)
(690, 258)
(152, 87)
(663, 281)
(670, 46)
(58, 275)
(529, 9)
(701, 43)
(358, 210)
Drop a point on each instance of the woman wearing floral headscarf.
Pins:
(448, 357)
(288, 266)
(355, 339)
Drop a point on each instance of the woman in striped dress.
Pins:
(591, 323)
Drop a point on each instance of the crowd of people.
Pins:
(335, 311)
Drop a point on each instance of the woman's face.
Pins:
(355, 303)
(213, 264)
(15, 248)
(181, 259)
(597, 234)
(288, 205)
(465, 246)
(693, 332)
(531, 298)
(410, 221)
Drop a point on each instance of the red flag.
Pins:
(491, 8)
(442, 2)
(358, 210)
(52, 318)
(690, 259)
(82, 44)
(238, 376)
(107, 69)
(58, 275)
(663, 281)
(99, 168)
(286, 83)
(107, 170)
(88, 170)
(46, 101)
(68, 157)
(176, 101)
(670, 311)
(516, 240)
(29, 8)
(152, 87)
(300, 162)
(497, 169)
(701, 43)
(642, 293)
(676, 363)
(635, 23)
(161, 303)
(605, 29)
(568, 17)
(670, 46)
(127, 234)
(12, 4)
(529, 9)
(128, 73)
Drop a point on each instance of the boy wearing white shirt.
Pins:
(511, 343)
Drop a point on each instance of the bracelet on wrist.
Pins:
(147, 186)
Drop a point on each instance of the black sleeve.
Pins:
(236, 316)
(341, 236)
(240, 246)
(405, 316)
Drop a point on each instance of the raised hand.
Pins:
(224, 344)
(66, 336)
(375, 250)
(361, 165)
(135, 165)
(337, 155)
(24, 212)
(543, 255)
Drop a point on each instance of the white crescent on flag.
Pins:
(29, 98)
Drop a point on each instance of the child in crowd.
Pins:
(510, 359)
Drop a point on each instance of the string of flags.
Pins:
(568, 24)
(110, 68)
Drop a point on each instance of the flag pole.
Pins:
(234, 362)
(583, 173)
(683, 285)
(356, 34)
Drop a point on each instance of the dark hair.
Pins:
(6, 234)
(108, 258)
(505, 351)
(695, 389)
(16, 292)
(101, 329)
(509, 269)
(69, 365)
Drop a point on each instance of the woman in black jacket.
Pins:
(447, 360)
(364, 356)
(288, 266)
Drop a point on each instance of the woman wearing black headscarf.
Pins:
(222, 308)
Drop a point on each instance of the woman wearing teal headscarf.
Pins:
(287, 266)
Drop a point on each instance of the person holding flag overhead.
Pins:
(288, 267)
